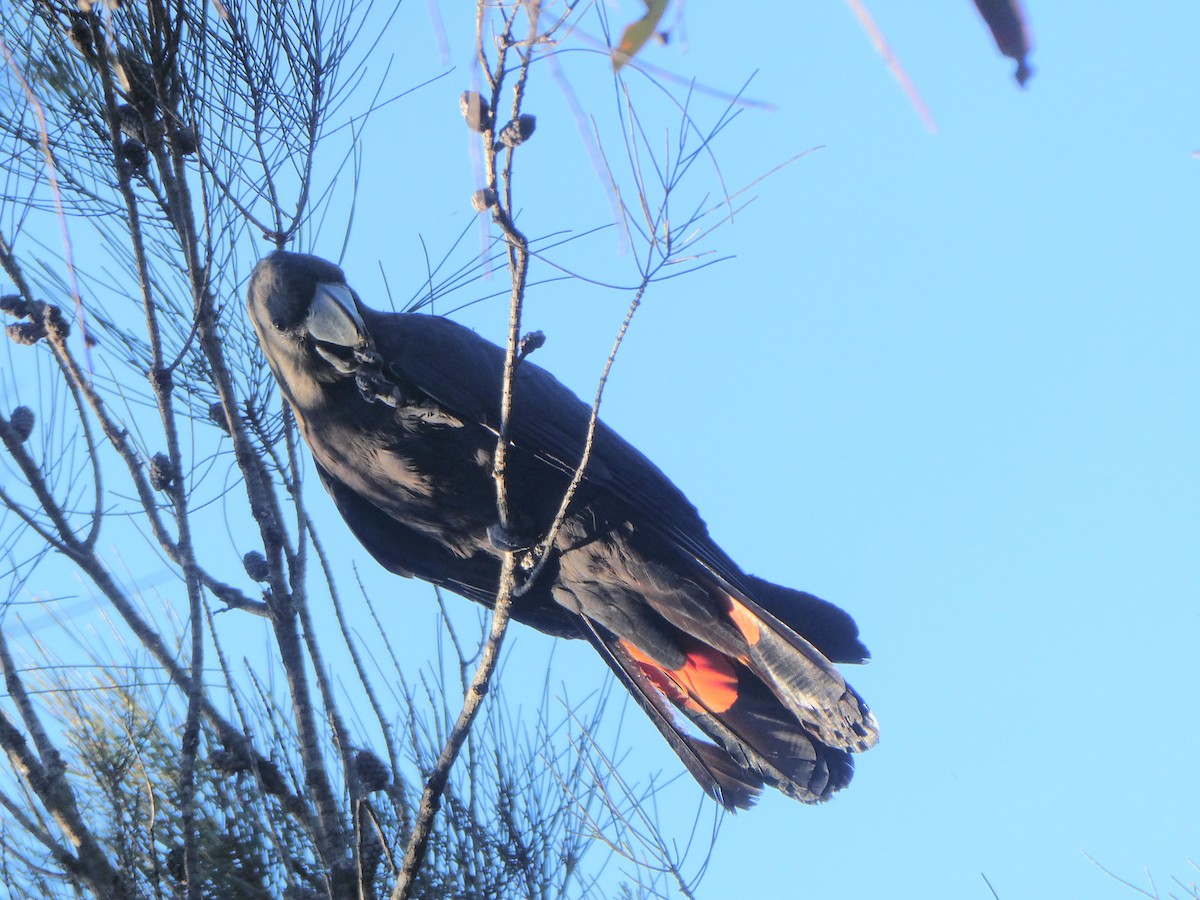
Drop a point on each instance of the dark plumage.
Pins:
(401, 412)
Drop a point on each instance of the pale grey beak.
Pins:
(334, 317)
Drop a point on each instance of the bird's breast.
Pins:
(434, 478)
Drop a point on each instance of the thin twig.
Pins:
(435, 784)
(547, 542)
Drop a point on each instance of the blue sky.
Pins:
(948, 381)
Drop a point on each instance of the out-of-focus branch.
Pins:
(45, 773)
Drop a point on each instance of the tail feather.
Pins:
(762, 736)
(758, 740)
(722, 778)
(803, 679)
(777, 710)
(829, 628)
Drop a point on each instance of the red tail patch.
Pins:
(707, 682)
(747, 623)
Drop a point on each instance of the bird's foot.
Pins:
(373, 384)
(508, 540)
(376, 388)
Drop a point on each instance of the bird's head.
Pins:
(308, 321)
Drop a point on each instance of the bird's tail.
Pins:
(798, 674)
(777, 712)
(756, 739)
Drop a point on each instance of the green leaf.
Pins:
(636, 35)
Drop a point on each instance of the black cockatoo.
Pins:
(401, 412)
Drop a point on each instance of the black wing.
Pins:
(463, 372)
(406, 551)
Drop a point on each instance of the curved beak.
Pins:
(334, 319)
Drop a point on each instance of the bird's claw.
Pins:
(374, 386)
(377, 389)
(365, 356)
